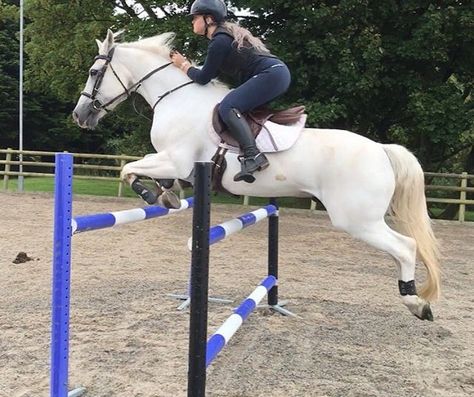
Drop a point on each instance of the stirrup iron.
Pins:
(249, 165)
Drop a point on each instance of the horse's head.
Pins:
(119, 70)
(105, 88)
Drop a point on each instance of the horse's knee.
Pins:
(126, 174)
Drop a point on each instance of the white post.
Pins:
(462, 198)
(6, 177)
(20, 116)
(120, 189)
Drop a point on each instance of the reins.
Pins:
(97, 105)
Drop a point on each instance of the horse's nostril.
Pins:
(75, 116)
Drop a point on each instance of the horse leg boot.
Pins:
(167, 197)
(251, 160)
(145, 193)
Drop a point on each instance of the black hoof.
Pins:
(147, 195)
(426, 313)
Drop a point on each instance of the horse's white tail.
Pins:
(409, 211)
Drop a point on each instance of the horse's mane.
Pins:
(159, 44)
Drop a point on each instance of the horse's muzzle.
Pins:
(85, 119)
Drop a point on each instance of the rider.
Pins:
(235, 52)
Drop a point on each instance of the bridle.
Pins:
(97, 105)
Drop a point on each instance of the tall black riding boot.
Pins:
(251, 160)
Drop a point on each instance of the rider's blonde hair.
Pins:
(242, 36)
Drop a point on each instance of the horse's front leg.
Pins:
(163, 171)
(162, 194)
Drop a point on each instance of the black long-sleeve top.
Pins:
(223, 57)
(218, 50)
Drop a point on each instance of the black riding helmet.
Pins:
(216, 8)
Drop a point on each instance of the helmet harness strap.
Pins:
(207, 24)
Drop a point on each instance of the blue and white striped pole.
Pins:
(224, 230)
(222, 336)
(85, 223)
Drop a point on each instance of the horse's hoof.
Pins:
(426, 313)
(170, 200)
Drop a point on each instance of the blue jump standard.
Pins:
(64, 228)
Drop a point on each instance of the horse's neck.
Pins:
(140, 63)
(185, 111)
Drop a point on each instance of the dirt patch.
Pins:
(22, 257)
(353, 337)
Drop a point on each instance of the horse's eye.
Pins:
(93, 72)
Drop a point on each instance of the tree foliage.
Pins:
(44, 116)
(395, 71)
(8, 74)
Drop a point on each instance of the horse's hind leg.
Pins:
(402, 248)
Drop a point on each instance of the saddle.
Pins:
(256, 120)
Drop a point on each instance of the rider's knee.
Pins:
(225, 109)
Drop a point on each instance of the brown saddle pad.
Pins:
(256, 119)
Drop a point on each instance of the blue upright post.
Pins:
(61, 275)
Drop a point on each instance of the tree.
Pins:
(61, 47)
(43, 114)
(8, 76)
(390, 70)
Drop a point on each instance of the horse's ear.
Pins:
(99, 44)
(109, 39)
(117, 35)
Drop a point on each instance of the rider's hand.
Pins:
(180, 61)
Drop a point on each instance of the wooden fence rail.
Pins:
(96, 171)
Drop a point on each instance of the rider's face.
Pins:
(199, 24)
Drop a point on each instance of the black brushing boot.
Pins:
(251, 160)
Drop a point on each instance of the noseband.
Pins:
(97, 105)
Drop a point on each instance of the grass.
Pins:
(469, 215)
(80, 186)
(110, 188)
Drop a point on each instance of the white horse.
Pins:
(356, 179)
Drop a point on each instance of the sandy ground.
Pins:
(354, 337)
